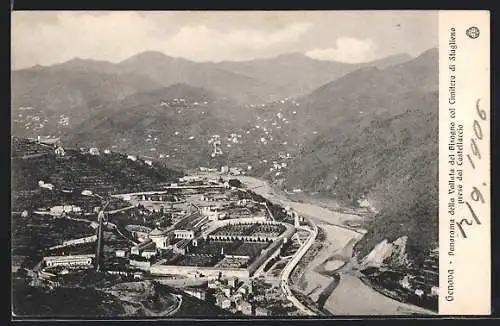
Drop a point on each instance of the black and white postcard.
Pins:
(249, 164)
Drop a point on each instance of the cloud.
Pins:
(201, 43)
(112, 37)
(116, 36)
(347, 49)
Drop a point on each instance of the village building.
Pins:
(233, 282)
(227, 291)
(71, 261)
(138, 249)
(148, 253)
(259, 311)
(213, 284)
(181, 247)
(237, 297)
(93, 151)
(197, 293)
(222, 301)
(90, 239)
(184, 234)
(60, 210)
(159, 238)
(245, 307)
(120, 253)
(140, 264)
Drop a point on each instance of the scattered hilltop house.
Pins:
(107, 151)
(87, 193)
(405, 282)
(59, 151)
(132, 157)
(90, 239)
(148, 162)
(190, 178)
(42, 184)
(235, 171)
(93, 151)
(48, 140)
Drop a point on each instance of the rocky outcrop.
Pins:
(387, 253)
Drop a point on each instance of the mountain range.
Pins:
(247, 82)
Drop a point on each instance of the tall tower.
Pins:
(98, 254)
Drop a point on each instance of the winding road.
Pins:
(285, 274)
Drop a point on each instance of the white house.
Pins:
(159, 238)
(42, 184)
(59, 151)
(120, 253)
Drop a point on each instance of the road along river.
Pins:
(350, 296)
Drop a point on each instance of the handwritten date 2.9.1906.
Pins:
(476, 194)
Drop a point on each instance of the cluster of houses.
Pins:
(231, 170)
(232, 295)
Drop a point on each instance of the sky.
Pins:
(49, 37)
